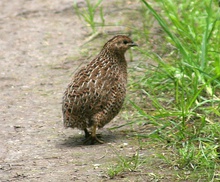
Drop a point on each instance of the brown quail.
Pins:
(97, 91)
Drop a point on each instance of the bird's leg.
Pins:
(87, 134)
(92, 137)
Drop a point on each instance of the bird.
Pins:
(96, 93)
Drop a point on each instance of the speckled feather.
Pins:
(97, 91)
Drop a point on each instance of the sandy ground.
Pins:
(38, 41)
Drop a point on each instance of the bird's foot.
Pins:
(91, 140)
(88, 134)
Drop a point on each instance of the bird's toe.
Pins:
(93, 140)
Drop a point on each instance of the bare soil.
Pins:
(40, 47)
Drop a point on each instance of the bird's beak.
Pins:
(132, 44)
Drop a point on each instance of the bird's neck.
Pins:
(119, 60)
(114, 56)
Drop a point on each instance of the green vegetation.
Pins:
(184, 87)
(125, 164)
(179, 97)
(88, 14)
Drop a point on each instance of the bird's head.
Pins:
(119, 44)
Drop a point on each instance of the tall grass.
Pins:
(185, 87)
(88, 14)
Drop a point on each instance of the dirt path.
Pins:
(37, 39)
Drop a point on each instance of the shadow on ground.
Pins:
(106, 135)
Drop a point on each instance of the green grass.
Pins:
(184, 88)
(88, 14)
(180, 95)
(125, 164)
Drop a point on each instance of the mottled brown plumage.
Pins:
(97, 91)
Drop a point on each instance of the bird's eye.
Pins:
(125, 41)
